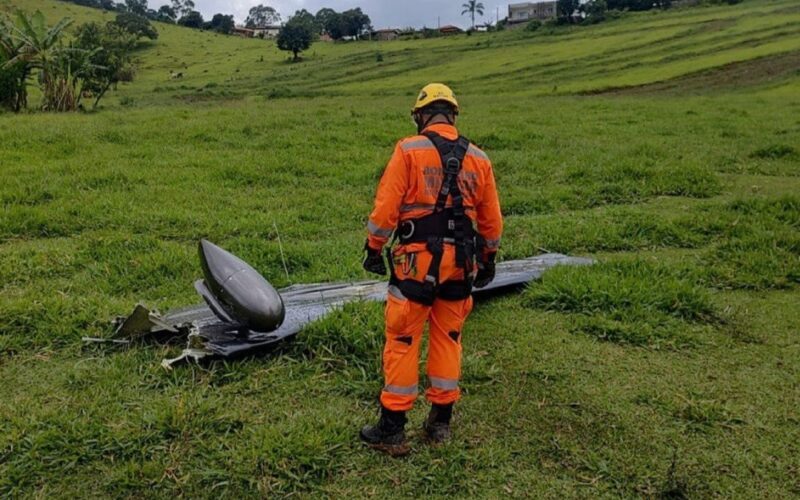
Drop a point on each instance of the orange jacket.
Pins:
(411, 182)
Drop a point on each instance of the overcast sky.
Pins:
(384, 13)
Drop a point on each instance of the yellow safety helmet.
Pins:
(435, 92)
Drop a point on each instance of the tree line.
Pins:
(295, 36)
(594, 11)
(180, 12)
(351, 23)
(87, 66)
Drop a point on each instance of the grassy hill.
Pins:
(664, 144)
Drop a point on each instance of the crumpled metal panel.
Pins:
(208, 336)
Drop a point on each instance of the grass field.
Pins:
(666, 145)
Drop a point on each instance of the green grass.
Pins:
(627, 302)
(668, 369)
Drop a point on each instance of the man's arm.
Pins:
(490, 227)
(489, 216)
(391, 190)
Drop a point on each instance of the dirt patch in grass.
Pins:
(731, 76)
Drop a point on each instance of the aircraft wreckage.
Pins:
(244, 315)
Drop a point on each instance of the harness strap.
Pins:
(452, 154)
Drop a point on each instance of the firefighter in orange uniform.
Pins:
(438, 198)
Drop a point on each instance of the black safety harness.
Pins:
(442, 226)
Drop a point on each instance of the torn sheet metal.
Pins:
(209, 334)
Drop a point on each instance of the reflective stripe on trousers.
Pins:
(446, 384)
(406, 390)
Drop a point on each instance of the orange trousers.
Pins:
(405, 324)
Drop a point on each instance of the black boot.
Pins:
(388, 435)
(437, 425)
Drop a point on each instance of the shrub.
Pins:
(533, 25)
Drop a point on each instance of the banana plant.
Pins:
(14, 73)
(36, 44)
(72, 68)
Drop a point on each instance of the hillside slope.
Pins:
(637, 50)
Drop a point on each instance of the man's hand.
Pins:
(374, 261)
(486, 272)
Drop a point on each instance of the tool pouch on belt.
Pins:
(442, 226)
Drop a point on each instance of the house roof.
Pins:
(450, 27)
(387, 30)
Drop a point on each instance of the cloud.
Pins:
(384, 13)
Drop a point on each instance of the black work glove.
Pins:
(374, 262)
(486, 272)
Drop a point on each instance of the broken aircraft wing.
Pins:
(227, 325)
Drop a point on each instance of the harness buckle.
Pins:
(407, 229)
(452, 167)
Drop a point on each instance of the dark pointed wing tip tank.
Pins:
(238, 293)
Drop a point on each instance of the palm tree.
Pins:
(471, 7)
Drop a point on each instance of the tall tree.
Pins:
(166, 14)
(595, 10)
(335, 26)
(307, 18)
(112, 63)
(138, 7)
(221, 24)
(262, 15)
(295, 36)
(565, 9)
(136, 25)
(193, 19)
(355, 22)
(472, 7)
(182, 7)
(326, 18)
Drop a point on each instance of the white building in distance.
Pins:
(528, 11)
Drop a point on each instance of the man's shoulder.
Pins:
(477, 152)
(415, 142)
(421, 142)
